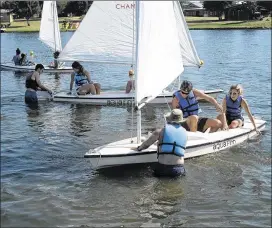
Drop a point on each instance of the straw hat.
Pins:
(131, 72)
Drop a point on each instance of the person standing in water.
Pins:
(131, 83)
(16, 58)
(172, 140)
(33, 84)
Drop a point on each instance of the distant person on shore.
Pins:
(16, 58)
(131, 83)
(24, 62)
(33, 84)
(82, 80)
(232, 109)
(172, 140)
(185, 99)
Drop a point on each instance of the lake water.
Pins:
(46, 182)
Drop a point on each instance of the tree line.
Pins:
(77, 8)
(27, 9)
(250, 6)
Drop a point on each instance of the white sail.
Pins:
(105, 35)
(159, 59)
(187, 48)
(49, 29)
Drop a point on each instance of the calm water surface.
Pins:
(45, 181)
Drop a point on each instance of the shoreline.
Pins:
(226, 28)
(194, 23)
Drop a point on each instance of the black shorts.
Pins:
(162, 170)
(31, 97)
(229, 120)
(200, 124)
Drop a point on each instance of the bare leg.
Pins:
(192, 123)
(235, 124)
(97, 88)
(87, 88)
(214, 124)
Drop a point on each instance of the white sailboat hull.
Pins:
(12, 67)
(120, 153)
(119, 98)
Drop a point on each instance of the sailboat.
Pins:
(49, 35)
(157, 53)
(106, 36)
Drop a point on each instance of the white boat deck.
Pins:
(118, 98)
(12, 67)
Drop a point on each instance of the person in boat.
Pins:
(171, 145)
(16, 58)
(56, 64)
(24, 62)
(233, 104)
(82, 80)
(186, 100)
(33, 84)
(131, 82)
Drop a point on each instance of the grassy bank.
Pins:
(215, 24)
(193, 23)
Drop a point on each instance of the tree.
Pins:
(265, 4)
(61, 5)
(77, 8)
(251, 8)
(22, 8)
(218, 6)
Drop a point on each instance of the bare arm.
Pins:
(88, 76)
(37, 78)
(72, 81)
(129, 87)
(175, 103)
(152, 139)
(224, 106)
(209, 99)
(246, 108)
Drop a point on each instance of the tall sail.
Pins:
(187, 48)
(105, 35)
(159, 59)
(49, 29)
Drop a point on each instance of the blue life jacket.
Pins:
(174, 140)
(81, 79)
(188, 105)
(233, 108)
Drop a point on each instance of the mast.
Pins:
(138, 114)
(54, 23)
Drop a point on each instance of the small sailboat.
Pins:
(120, 98)
(107, 36)
(49, 35)
(157, 50)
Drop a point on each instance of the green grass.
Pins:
(265, 23)
(193, 23)
(189, 19)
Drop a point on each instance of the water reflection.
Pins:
(84, 118)
(18, 74)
